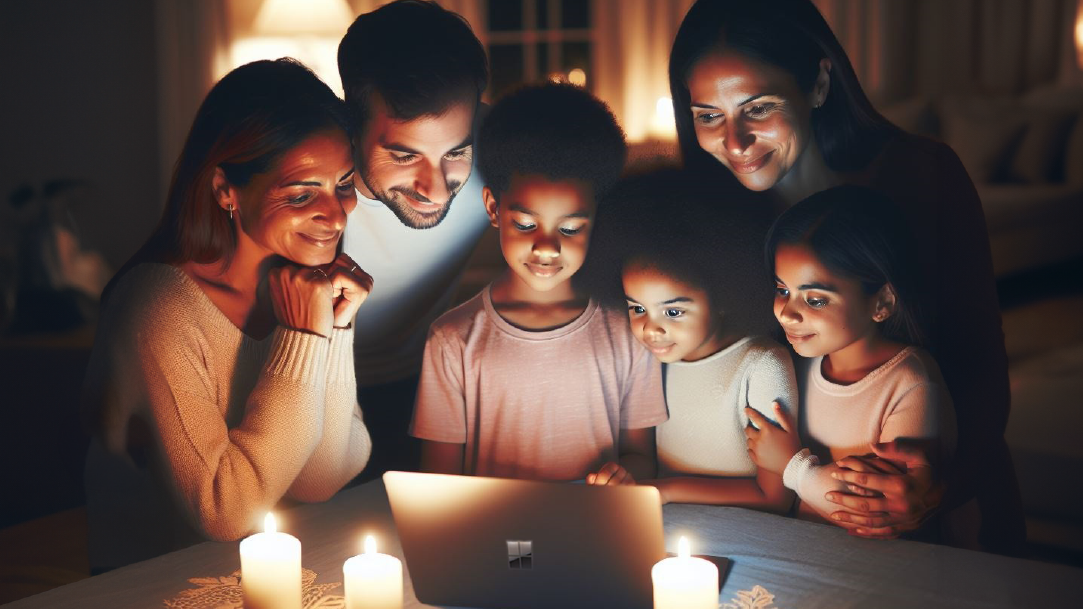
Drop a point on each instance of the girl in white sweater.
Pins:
(696, 294)
(847, 299)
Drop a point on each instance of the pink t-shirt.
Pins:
(542, 405)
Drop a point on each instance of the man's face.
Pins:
(416, 167)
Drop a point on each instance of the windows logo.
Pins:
(520, 554)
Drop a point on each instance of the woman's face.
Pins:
(298, 209)
(750, 115)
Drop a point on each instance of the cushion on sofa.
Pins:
(1039, 156)
(1073, 155)
(916, 115)
(984, 140)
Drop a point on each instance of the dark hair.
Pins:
(559, 131)
(672, 220)
(419, 58)
(792, 35)
(250, 118)
(859, 233)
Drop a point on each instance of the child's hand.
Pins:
(610, 474)
(771, 446)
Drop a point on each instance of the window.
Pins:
(535, 40)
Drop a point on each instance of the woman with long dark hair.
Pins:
(765, 91)
(221, 379)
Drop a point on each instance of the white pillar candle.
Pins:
(271, 569)
(372, 580)
(684, 582)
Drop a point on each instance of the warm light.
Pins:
(271, 568)
(307, 31)
(664, 107)
(372, 580)
(662, 121)
(683, 582)
(556, 77)
(319, 53)
(1079, 36)
(577, 77)
(312, 17)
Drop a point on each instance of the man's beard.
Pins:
(393, 198)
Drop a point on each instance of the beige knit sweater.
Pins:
(200, 429)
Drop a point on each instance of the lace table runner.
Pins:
(225, 593)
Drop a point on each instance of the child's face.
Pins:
(670, 317)
(544, 228)
(820, 311)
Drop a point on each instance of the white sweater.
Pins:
(705, 431)
(200, 429)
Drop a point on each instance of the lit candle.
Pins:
(685, 582)
(372, 580)
(271, 569)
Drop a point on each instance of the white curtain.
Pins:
(632, 40)
(900, 49)
(936, 47)
(192, 40)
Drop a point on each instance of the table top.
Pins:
(777, 562)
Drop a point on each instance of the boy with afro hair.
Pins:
(531, 378)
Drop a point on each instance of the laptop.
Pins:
(520, 544)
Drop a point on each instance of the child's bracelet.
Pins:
(796, 468)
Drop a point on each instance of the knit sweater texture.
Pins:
(705, 433)
(199, 429)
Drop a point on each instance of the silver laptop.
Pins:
(492, 542)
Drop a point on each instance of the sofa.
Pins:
(1025, 156)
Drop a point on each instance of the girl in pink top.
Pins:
(846, 297)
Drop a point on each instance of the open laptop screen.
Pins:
(491, 542)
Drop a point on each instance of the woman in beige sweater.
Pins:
(222, 377)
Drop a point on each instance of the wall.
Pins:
(80, 101)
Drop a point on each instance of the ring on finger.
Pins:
(320, 271)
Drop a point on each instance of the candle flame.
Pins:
(683, 551)
(269, 523)
(370, 544)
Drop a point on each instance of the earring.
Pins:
(230, 212)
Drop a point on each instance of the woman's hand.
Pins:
(301, 297)
(350, 287)
(893, 490)
(771, 446)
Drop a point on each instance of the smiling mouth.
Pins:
(660, 349)
(543, 270)
(321, 241)
(751, 166)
